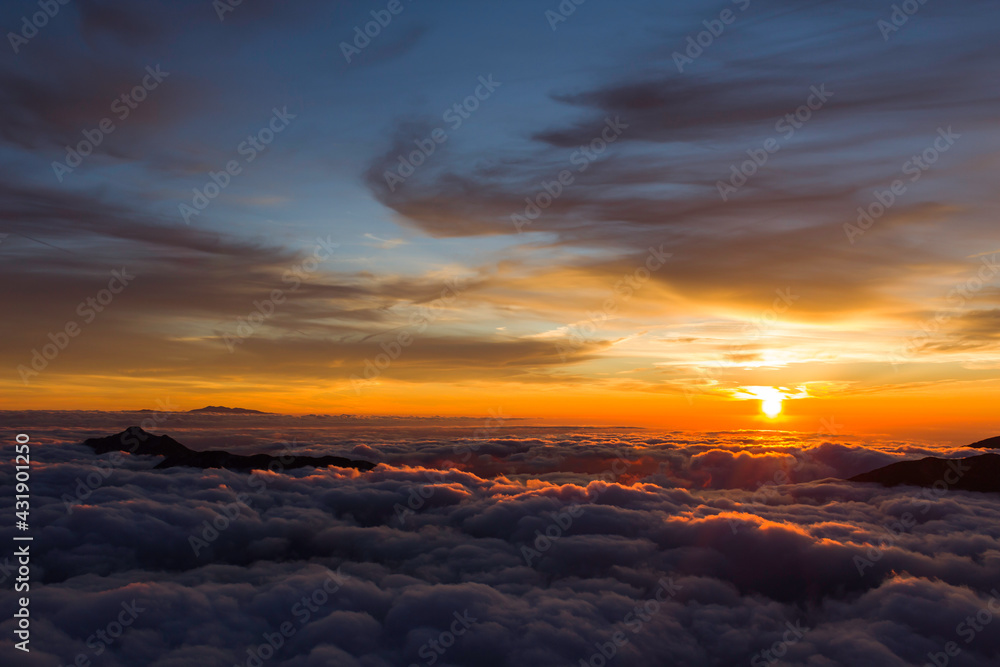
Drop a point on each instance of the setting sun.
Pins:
(771, 406)
(771, 398)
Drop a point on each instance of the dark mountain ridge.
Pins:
(975, 473)
(137, 441)
(988, 443)
(220, 410)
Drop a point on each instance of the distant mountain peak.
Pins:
(974, 473)
(218, 409)
(988, 443)
(137, 441)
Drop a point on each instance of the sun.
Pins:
(771, 406)
(771, 398)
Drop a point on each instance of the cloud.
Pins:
(743, 563)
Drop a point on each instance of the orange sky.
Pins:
(672, 274)
(964, 415)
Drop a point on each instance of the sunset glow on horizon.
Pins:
(626, 253)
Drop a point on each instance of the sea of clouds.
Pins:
(494, 543)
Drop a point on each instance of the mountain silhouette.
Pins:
(137, 441)
(220, 410)
(988, 443)
(975, 473)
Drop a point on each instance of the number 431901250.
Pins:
(22, 464)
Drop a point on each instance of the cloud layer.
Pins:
(699, 549)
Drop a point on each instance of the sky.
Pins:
(661, 214)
